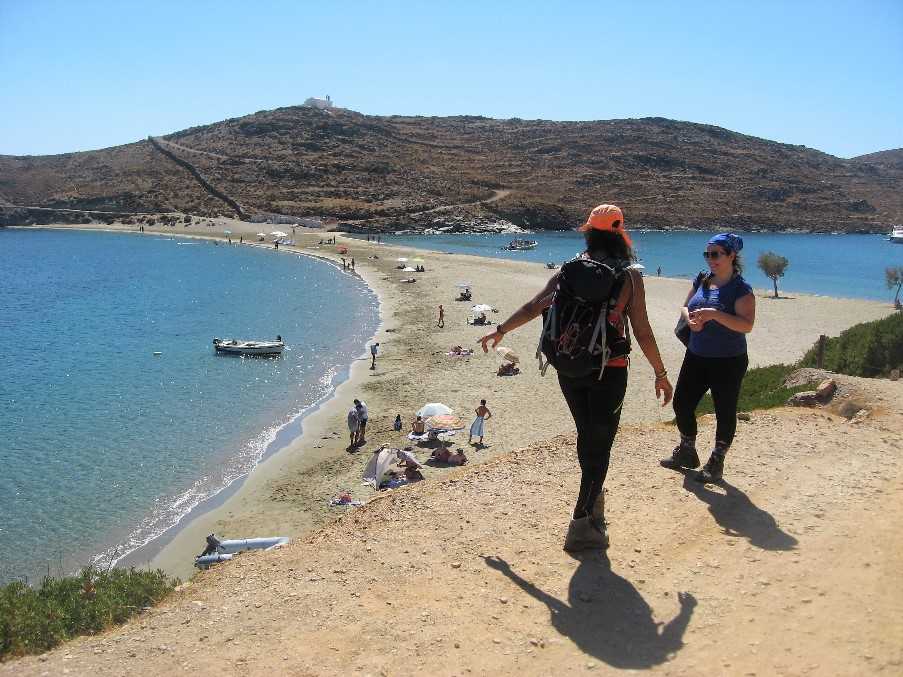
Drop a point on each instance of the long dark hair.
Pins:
(609, 243)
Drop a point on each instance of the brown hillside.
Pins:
(301, 161)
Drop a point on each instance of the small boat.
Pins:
(521, 245)
(222, 551)
(896, 235)
(235, 347)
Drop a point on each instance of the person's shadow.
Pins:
(606, 617)
(739, 516)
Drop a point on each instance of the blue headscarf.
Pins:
(728, 242)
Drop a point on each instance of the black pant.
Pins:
(596, 407)
(723, 376)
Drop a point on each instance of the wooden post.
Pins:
(820, 359)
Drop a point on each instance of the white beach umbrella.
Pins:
(434, 409)
(278, 233)
(408, 269)
(261, 234)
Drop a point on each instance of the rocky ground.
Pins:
(791, 566)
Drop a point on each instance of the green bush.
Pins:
(868, 349)
(33, 620)
(763, 388)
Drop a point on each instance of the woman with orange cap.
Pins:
(595, 399)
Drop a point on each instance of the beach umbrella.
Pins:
(261, 234)
(408, 269)
(278, 233)
(434, 409)
(463, 285)
(402, 259)
(444, 422)
(507, 354)
(227, 232)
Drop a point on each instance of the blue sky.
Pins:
(78, 75)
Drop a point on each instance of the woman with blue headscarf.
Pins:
(720, 311)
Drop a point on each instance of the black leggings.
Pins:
(723, 375)
(596, 407)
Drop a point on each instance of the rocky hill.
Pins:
(379, 173)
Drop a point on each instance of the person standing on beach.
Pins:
(595, 399)
(476, 428)
(720, 310)
(441, 322)
(362, 417)
(354, 423)
(344, 265)
(374, 348)
(352, 263)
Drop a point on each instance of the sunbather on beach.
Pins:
(418, 427)
(508, 369)
(595, 398)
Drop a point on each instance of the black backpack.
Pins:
(584, 328)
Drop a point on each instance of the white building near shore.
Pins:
(322, 104)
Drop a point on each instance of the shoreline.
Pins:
(288, 490)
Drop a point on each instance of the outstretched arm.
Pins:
(530, 310)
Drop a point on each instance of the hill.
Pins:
(381, 172)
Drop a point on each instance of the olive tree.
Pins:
(893, 275)
(773, 266)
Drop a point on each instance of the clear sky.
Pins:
(77, 75)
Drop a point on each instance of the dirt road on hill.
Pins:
(791, 567)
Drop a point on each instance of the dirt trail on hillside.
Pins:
(790, 567)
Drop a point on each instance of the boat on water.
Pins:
(520, 245)
(896, 235)
(236, 347)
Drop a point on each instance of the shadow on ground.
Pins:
(606, 616)
(739, 516)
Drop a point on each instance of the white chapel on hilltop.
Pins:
(322, 104)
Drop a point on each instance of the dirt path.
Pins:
(791, 567)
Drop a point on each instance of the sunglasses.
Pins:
(713, 255)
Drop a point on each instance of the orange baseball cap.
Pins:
(606, 218)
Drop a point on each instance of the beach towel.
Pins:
(476, 428)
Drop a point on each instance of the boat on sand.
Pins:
(236, 347)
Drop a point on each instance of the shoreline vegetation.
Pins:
(288, 493)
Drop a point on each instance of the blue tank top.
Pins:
(716, 340)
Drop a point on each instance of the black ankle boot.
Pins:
(683, 456)
(713, 469)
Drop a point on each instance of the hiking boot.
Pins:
(713, 469)
(683, 456)
(584, 534)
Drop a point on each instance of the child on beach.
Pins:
(397, 424)
(595, 399)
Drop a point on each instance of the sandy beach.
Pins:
(288, 493)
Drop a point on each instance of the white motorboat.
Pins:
(896, 235)
(521, 245)
(235, 347)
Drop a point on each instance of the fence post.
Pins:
(820, 359)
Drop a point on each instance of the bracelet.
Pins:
(662, 374)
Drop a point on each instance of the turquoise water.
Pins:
(831, 265)
(103, 445)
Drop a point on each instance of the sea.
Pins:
(104, 444)
(846, 266)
